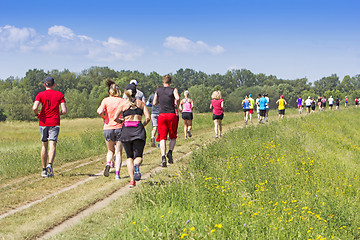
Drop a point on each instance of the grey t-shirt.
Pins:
(155, 108)
(139, 95)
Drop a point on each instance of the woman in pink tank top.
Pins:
(112, 129)
(217, 105)
(186, 106)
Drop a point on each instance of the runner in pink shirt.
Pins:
(217, 105)
(186, 106)
(112, 129)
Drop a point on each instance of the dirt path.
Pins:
(183, 150)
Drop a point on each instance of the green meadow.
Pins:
(78, 139)
(294, 179)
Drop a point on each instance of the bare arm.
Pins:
(101, 111)
(35, 108)
(146, 114)
(156, 100)
(118, 113)
(222, 105)
(63, 108)
(180, 106)
(177, 97)
(192, 104)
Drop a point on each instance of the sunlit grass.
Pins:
(295, 179)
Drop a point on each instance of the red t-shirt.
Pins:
(50, 100)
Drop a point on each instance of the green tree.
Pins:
(17, 104)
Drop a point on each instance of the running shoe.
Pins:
(170, 158)
(132, 184)
(137, 174)
(49, 170)
(189, 133)
(107, 170)
(117, 177)
(163, 161)
(44, 173)
(152, 142)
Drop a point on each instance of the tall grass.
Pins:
(295, 179)
(78, 139)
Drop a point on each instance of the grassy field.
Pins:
(295, 179)
(79, 138)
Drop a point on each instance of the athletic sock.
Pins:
(44, 169)
(108, 163)
(117, 172)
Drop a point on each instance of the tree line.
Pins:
(84, 91)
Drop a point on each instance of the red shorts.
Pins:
(251, 111)
(167, 124)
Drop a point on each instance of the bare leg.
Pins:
(130, 167)
(220, 128)
(52, 151)
(153, 131)
(185, 127)
(118, 154)
(216, 127)
(43, 154)
(172, 144)
(163, 147)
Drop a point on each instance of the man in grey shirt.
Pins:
(139, 94)
(155, 111)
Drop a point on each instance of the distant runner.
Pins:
(299, 103)
(217, 105)
(246, 108)
(319, 103)
(356, 102)
(331, 102)
(346, 101)
(186, 106)
(257, 106)
(337, 102)
(313, 105)
(308, 102)
(112, 129)
(252, 103)
(262, 106)
(323, 103)
(281, 106)
(267, 108)
(49, 122)
(133, 134)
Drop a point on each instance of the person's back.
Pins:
(166, 99)
(263, 103)
(187, 106)
(251, 102)
(49, 122)
(155, 109)
(281, 103)
(49, 114)
(217, 109)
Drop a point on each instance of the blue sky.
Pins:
(290, 39)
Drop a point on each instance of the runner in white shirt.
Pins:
(308, 105)
(331, 102)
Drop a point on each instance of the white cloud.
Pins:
(63, 41)
(24, 39)
(182, 44)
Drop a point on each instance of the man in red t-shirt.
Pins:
(49, 122)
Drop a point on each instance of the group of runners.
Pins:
(125, 119)
(321, 102)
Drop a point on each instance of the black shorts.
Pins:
(282, 112)
(330, 105)
(262, 113)
(312, 107)
(356, 103)
(220, 117)
(323, 104)
(134, 148)
(187, 115)
(246, 110)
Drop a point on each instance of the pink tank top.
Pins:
(187, 106)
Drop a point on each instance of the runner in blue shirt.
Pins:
(263, 103)
(246, 108)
